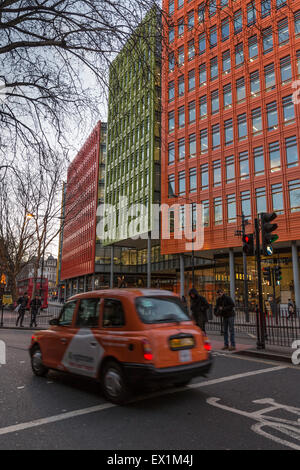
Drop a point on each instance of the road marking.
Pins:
(106, 406)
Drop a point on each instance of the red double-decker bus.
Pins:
(41, 289)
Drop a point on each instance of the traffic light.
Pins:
(248, 244)
(267, 274)
(266, 230)
(278, 274)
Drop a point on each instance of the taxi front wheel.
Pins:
(113, 383)
(37, 363)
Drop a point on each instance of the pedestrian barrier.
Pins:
(9, 317)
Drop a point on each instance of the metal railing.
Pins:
(8, 317)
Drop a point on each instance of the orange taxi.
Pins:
(123, 337)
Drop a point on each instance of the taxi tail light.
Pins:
(147, 350)
(207, 345)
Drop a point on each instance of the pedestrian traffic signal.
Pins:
(248, 244)
(267, 274)
(278, 274)
(266, 230)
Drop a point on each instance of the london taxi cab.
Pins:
(123, 337)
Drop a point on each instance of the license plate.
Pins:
(185, 355)
(182, 343)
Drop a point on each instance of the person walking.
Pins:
(22, 301)
(225, 308)
(291, 309)
(35, 306)
(199, 307)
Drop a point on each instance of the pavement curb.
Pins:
(265, 355)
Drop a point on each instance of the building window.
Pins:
(203, 141)
(272, 117)
(294, 194)
(193, 180)
(251, 14)
(180, 27)
(180, 4)
(265, 8)
(261, 201)
(254, 83)
(227, 95)
(228, 129)
(230, 169)
(205, 213)
(171, 7)
(181, 149)
(213, 37)
(246, 203)
(280, 3)
(171, 186)
(218, 211)
(191, 49)
(217, 173)
(244, 165)
(226, 62)
(277, 198)
(191, 80)
(191, 21)
(171, 118)
(240, 90)
(242, 126)
(288, 110)
(252, 47)
(202, 74)
(212, 7)
(201, 12)
(204, 176)
(213, 68)
(259, 162)
(171, 62)
(291, 151)
(215, 101)
(171, 91)
(192, 145)
(181, 182)
(181, 85)
(192, 112)
(285, 69)
(225, 29)
(171, 34)
(238, 21)
(216, 136)
(239, 54)
(269, 77)
(181, 117)
(202, 43)
(231, 208)
(171, 153)
(283, 32)
(256, 121)
(267, 36)
(203, 107)
(274, 156)
(180, 56)
(297, 22)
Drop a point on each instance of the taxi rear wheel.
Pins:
(37, 362)
(113, 383)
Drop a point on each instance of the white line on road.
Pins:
(106, 406)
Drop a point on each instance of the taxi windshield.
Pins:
(160, 310)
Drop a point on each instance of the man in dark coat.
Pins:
(199, 307)
(22, 301)
(35, 306)
(225, 308)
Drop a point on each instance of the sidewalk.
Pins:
(246, 346)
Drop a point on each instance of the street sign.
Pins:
(7, 300)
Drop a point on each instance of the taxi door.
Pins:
(84, 352)
(60, 337)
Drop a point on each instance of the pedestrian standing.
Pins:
(22, 301)
(199, 307)
(35, 306)
(225, 309)
(291, 309)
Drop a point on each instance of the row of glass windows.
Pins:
(210, 9)
(256, 83)
(271, 159)
(218, 211)
(257, 125)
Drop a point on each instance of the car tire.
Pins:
(183, 383)
(37, 365)
(113, 383)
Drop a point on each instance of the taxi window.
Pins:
(113, 314)
(66, 316)
(88, 313)
(160, 310)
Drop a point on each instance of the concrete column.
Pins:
(77, 285)
(111, 284)
(181, 260)
(65, 292)
(232, 274)
(84, 284)
(149, 261)
(93, 282)
(296, 274)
